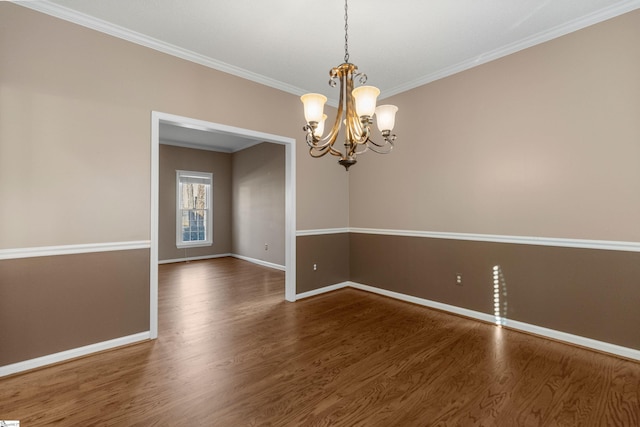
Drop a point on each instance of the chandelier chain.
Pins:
(346, 32)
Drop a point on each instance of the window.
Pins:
(194, 219)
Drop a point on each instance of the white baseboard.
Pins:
(193, 258)
(601, 346)
(71, 354)
(260, 262)
(242, 257)
(425, 302)
(322, 290)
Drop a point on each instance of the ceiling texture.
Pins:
(292, 44)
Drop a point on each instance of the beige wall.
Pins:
(75, 121)
(248, 201)
(259, 203)
(219, 164)
(321, 182)
(544, 142)
(75, 165)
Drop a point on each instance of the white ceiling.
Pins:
(181, 136)
(292, 44)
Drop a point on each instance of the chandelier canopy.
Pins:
(356, 109)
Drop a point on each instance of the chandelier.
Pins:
(355, 110)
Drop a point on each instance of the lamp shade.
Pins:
(365, 98)
(313, 106)
(319, 130)
(386, 117)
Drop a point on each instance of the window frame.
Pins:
(208, 176)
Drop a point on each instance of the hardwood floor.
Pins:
(232, 352)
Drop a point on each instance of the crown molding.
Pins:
(536, 39)
(88, 21)
(61, 12)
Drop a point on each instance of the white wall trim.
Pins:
(520, 240)
(71, 354)
(93, 23)
(154, 222)
(536, 39)
(323, 231)
(323, 290)
(290, 209)
(425, 302)
(605, 347)
(260, 262)
(72, 249)
(602, 346)
(193, 258)
(88, 21)
(609, 245)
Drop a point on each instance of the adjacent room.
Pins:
(185, 242)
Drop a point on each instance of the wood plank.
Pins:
(231, 351)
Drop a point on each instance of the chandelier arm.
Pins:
(357, 130)
(323, 150)
(335, 130)
(364, 150)
(362, 78)
(320, 150)
(385, 148)
(371, 141)
(316, 153)
(360, 131)
(317, 143)
(387, 151)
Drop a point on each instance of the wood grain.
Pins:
(232, 352)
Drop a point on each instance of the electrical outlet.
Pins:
(266, 247)
(458, 279)
(315, 267)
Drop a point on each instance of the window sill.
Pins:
(193, 245)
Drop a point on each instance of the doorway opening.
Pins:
(158, 118)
